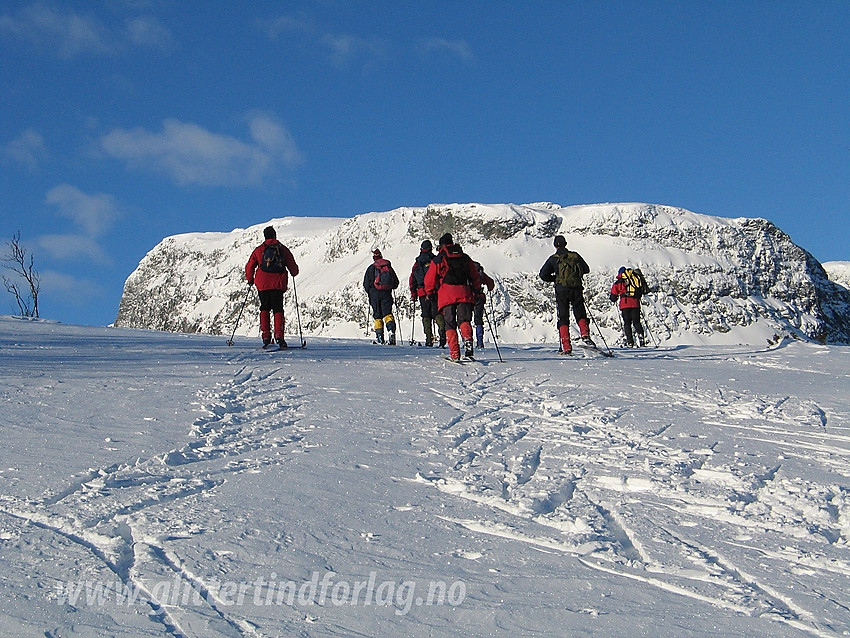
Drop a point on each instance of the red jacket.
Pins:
(270, 280)
(451, 292)
(619, 289)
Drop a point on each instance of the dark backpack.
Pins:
(455, 270)
(273, 259)
(635, 283)
(383, 275)
(569, 270)
(420, 268)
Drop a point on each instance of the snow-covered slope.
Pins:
(714, 280)
(839, 272)
(166, 485)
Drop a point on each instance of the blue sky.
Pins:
(123, 122)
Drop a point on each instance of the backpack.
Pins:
(383, 275)
(273, 259)
(455, 270)
(569, 270)
(635, 283)
(420, 269)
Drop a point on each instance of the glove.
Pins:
(613, 297)
(250, 282)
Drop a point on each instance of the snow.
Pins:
(839, 272)
(160, 484)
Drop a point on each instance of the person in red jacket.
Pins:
(629, 308)
(454, 277)
(267, 268)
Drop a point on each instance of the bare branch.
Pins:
(20, 262)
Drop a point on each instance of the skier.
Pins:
(267, 268)
(454, 278)
(629, 294)
(379, 281)
(565, 269)
(427, 303)
(479, 305)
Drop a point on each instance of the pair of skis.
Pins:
(273, 347)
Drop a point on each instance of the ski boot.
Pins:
(467, 347)
(392, 339)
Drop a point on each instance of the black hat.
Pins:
(268, 232)
(427, 245)
(560, 241)
(446, 240)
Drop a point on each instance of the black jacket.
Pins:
(549, 272)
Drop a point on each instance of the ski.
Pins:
(461, 361)
(273, 347)
(595, 348)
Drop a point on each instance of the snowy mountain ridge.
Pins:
(714, 280)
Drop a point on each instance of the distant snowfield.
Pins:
(839, 272)
(157, 484)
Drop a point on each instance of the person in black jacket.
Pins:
(566, 269)
(427, 303)
(379, 281)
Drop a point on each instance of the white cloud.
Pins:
(94, 213)
(459, 49)
(190, 154)
(28, 149)
(73, 247)
(284, 25)
(149, 32)
(70, 34)
(340, 49)
(78, 291)
(345, 48)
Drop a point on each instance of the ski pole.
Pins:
(298, 313)
(493, 333)
(601, 336)
(490, 298)
(230, 342)
(398, 323)
(412, 321)
(655, 342)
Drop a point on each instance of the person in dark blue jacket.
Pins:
(379, 281)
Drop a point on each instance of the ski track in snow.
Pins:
(619, 495)
(104, 511)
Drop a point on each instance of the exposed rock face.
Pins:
(713, 279)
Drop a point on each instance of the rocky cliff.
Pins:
(713, 279)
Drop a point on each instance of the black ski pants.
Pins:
(381, 302)
(566, 297)
(478, 314)
(631, 317)
(271, 300)
(456, 314)
(429, 306)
